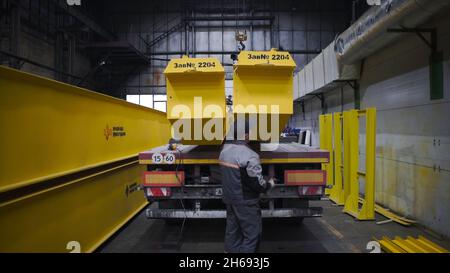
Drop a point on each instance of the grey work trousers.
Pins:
(244, 228)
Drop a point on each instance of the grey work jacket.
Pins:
(242, 179)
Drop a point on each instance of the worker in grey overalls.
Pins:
(242, 183)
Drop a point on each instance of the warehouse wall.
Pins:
(298, 25)
(30, 30)
(413, 132)
(43, 52)
(39, 51)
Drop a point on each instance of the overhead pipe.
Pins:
(230, 18)
(369, 33)
(225, 52)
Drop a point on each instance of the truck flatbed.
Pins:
(283, 153)
(197, 167)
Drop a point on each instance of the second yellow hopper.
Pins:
(263, 84)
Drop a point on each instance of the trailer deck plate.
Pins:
(283, 153)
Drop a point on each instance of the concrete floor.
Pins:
(334, 232)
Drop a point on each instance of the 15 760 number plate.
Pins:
(163, 159)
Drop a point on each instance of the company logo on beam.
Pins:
(116, 131)
(130, 189)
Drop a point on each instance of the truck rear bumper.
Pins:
(222, 214)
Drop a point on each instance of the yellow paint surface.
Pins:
(50, 130)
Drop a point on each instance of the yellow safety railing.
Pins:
(344, 173)
(351, 164)
(337, 191)
(326, 143)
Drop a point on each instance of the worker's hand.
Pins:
(271, 183)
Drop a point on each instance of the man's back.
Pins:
(242, 179)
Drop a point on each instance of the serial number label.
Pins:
(209, 264)
(280, 57)
(206, 64)
(258, 57)
(186, 65)
(275, 57)
(193, 65)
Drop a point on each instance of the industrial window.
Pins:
(160, 103)
(157, 102)
(147, 101)
(133, 99)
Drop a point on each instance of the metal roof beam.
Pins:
(86, 20)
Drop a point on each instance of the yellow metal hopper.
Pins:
(196, 100)
(263, 84)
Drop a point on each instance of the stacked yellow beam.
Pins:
(69, 173)
(410, 245)
(392, 216)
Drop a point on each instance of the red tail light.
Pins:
(158, 192)
(310, 190)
